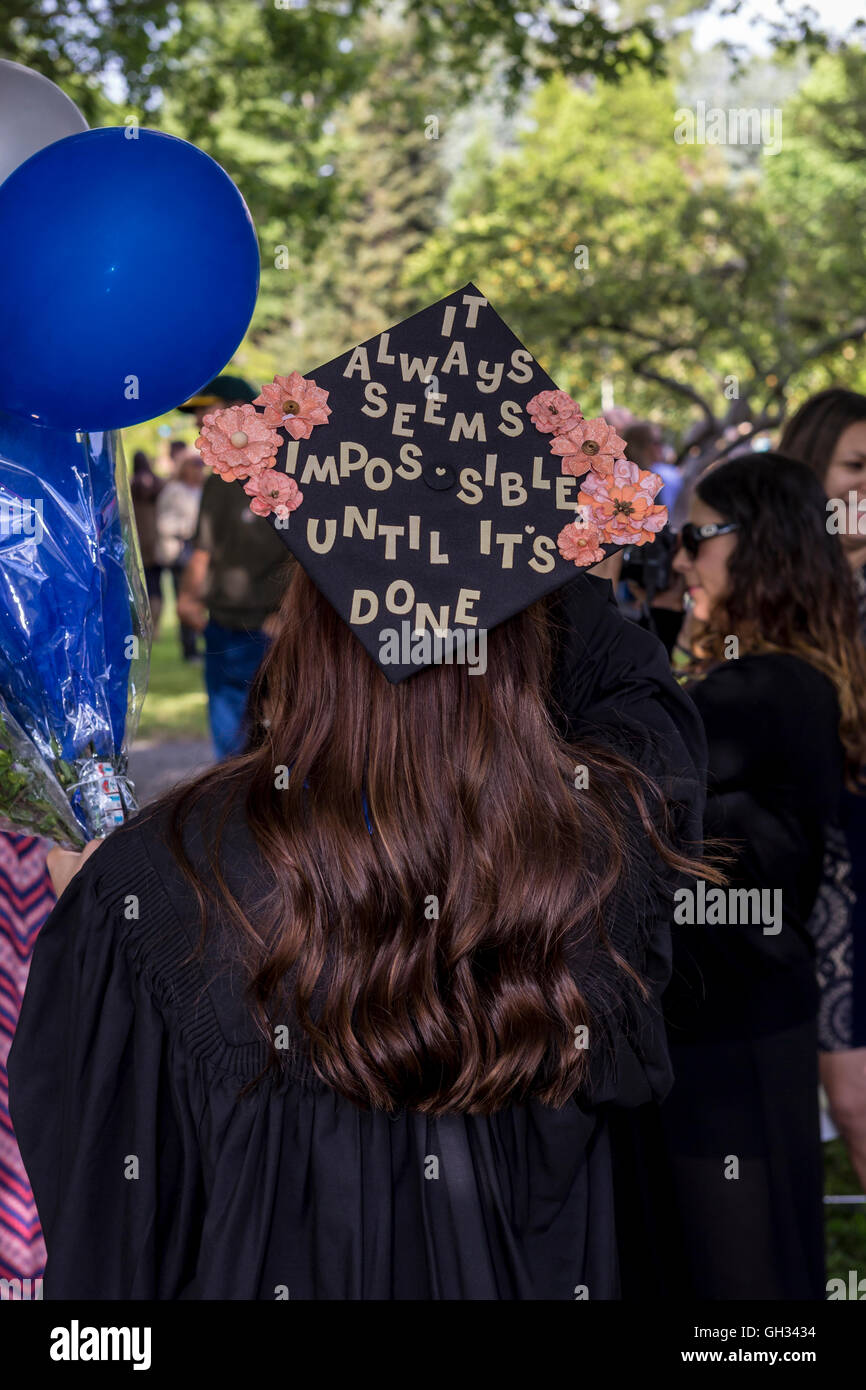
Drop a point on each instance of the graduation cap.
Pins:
(433, 481)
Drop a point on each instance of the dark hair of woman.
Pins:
(426, 963)
(790, 587)
(813, 432)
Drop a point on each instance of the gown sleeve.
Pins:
(613, 685)
(98, 1103)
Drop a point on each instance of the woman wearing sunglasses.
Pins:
(778, 675)
(828, 433)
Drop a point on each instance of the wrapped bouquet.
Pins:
(74, 632)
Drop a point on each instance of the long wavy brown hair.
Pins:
(430, 964)
(790, 587)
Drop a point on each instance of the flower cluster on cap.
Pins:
(240, 442)
(616, 502)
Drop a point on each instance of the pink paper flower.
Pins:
(273, 491)
(621, 505)
(294, 403)
(589, 444)
(236, 442)
(580, 542)
(553, 412)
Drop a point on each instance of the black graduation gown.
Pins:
(155, 1178)
(742, 1002)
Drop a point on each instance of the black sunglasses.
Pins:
(692, 537)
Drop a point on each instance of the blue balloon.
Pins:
(129, 269)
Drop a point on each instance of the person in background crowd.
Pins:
(828, 433)
(176, 450)
(646, 448)
(177, 509)
(145, 488)
(780, 683)
(231, 590)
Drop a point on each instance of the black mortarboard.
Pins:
(441, 474)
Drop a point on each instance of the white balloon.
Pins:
(33, 113)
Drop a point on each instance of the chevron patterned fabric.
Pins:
(26, 899)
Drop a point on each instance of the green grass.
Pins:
(175, 706)
(844, 1226)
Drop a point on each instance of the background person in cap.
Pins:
(232, 584)
(439, 885)
(177, 512)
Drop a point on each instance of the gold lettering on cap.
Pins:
(391, 533)
(490, 470)
(434, 400)
(363, 596)
(514, 494)
(414, 533)
(465, 599)
(486, 529)
(358, 363)
(401, 418)
(383, 355)
(488, 379)
(321, 547)
(468, 429)
(425, 616)
(370, 471)
(375, 394)
(352, 520)
(436, 556)
(391, 592)
(292, 456)
(470, 490)
(456, 356)
(448, 320)
(410, 465)
(347, 465)
(543, 559)
(473, 303)
(325, 472)
(564, 484)
(537, 480)
(521, 365)
(422, 367)
(512, 419)
(508, 540)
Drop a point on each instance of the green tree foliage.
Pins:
(701, 290)
(390, 184)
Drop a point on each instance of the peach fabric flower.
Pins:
(579, 542)
(295, 404)
(273, 491)
(236, 442)
(621, 504)
(553, 412)
(589, 444)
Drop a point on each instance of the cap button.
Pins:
(439, 476)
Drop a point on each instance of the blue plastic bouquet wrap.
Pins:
(75, 632)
